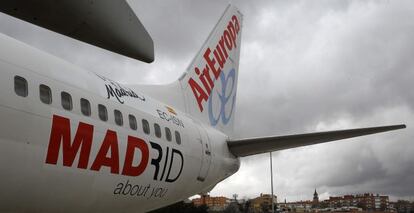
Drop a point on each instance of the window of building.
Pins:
(85, 107)
(177, 137)
(45, 94)
(157, 130)
(103, 113)
(66, 101)
(20, 86)
(132, 122)
(168, 134)
(145, 126)
(118, 118)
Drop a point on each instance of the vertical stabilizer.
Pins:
(210, 82)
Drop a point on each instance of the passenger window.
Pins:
(20, 86)
(85, 107)
(157, 130)
(145, 126)
(103, 113)
(132, 122)
(177, 137)
(118, 118)
(66, 100)
(45, 94)
(168, 134)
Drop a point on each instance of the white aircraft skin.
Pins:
(57, 160)
(29, 183)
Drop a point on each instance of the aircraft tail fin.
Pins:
(207, 89)
(209, 84)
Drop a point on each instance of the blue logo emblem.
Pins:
(224, 98)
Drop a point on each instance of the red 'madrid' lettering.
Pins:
(60, 135)
(108, 154)
(109, 143)
(133, 144)
(215, 61)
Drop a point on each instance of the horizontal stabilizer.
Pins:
(252, 146)
(109, 24)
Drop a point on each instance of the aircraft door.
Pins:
(206, 154)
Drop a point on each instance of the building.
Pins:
(315, 201)
(402, 206)
(299, 206)
(263, 203)
(213, 203)
(367, 202)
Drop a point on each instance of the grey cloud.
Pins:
(305, 66)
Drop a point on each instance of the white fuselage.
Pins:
(38, 174)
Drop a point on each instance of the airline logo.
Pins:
(215, 60)
(224, 98)
(60, 142)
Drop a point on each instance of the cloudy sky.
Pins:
(305, 66)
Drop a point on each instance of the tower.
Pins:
(315, 199)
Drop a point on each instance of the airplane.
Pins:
(75, 141)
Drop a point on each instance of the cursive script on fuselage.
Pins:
(118, 92)
(115, 90)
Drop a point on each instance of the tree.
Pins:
(361, 205)
(265, 207)
(232, 208)
(247, 207)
